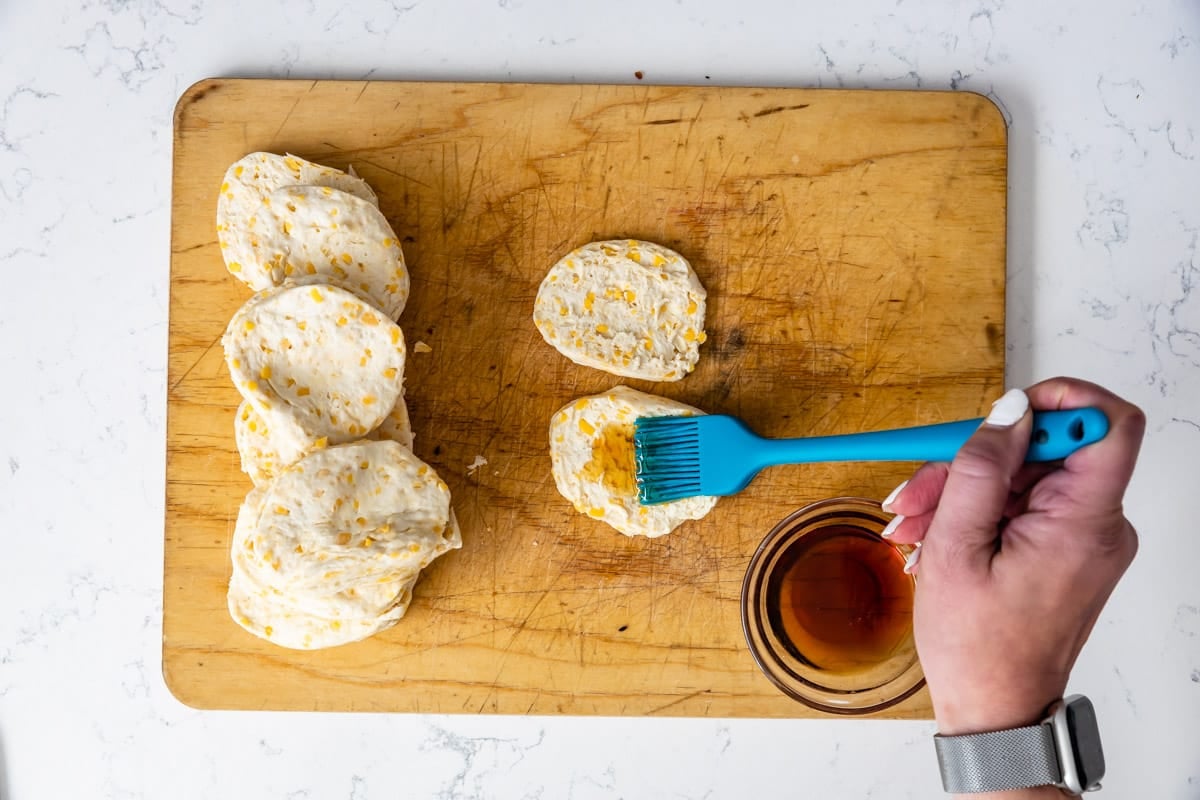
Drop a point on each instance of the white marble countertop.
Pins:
(1103, 257)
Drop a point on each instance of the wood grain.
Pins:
(852, 244)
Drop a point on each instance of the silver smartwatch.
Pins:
(1063, 751)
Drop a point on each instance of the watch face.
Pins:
(1085, 733)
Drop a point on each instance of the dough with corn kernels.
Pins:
(245, 192)
(318, 365)
(262, 458)
(631, 308)
(350, 514)
(594, 467)
(329, 551)
(319, 230)
(308, 620)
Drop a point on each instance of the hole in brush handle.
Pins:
(1057, 434)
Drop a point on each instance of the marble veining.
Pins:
(1103, 230)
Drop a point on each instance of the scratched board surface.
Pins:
(852, 245)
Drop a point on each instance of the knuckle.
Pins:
(1115, 542)
(1128, 546)
(955, 558)
(946, 550)
(1136, 420)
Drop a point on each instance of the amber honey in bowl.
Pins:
(827, 609)
(840, 599)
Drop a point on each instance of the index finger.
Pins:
(1102, 469)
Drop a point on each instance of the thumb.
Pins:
(965, 528)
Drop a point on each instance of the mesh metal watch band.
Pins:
(991, 762)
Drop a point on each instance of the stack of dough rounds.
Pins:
(328, 553)
(592, 460)
(343, 517)
(632, 308)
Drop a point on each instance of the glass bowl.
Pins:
(827, 609)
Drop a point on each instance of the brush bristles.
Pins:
(666, 439)
(680, 450)
(654, 423)
(655, 493)
(659, 488)
(655, 498)
(667, 451)
(666, 432)
(671, 470)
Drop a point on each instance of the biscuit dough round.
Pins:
(318, 365)
(366, 600)
(592, 460)
(347, 517)
(397, 425)
(632, 308)
(318, 230)
(245, 192)
(269, 617)
(308, 620)
(260, 454)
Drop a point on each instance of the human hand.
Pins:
(1015, 560)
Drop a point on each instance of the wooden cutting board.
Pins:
(852, 244)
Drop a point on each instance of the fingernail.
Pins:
(890, 528)
(886, 505)
(910, 563)
(1009, 409)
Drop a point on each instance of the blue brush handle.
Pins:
(1056, 434)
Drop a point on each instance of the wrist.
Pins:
(953, 720)
(1064, 732)
(958, 715)
(1036, 793)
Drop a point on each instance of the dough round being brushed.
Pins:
(318, 230)
(245, 192)
(627, 307)
(318, 365)
(592, 460)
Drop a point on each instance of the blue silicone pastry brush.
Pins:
(680, 457)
